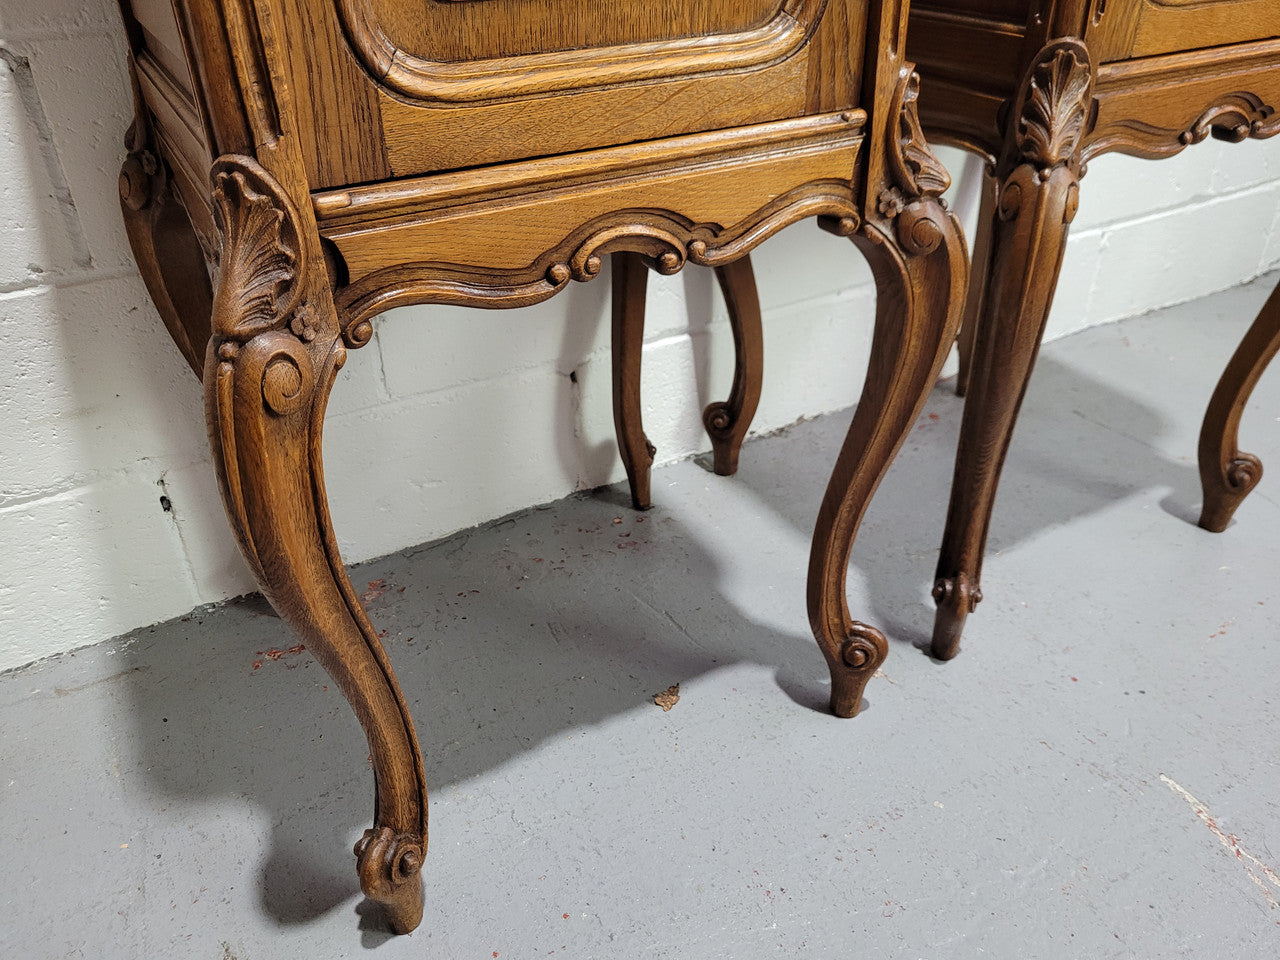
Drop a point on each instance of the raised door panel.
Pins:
(451, 84)
(453, 31)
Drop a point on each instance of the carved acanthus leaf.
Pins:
(915, 169)
(260, 261)
(1054, 105)
(913, 200)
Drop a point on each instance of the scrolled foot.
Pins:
(1227, 475)
(1236, 482)
(390, 869)
(956, 597)
(719, 422)
(861, 655)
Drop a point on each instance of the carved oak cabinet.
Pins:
(298, 166)
(1040, 87)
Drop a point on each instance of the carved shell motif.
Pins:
(1055, 106)
(258, 265)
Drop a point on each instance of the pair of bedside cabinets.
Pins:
(297, 167)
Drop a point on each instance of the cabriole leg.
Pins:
(630, 284)
(728, 421)
(1227, 474)
(1036, 202)
(916, 251)
(271, 362)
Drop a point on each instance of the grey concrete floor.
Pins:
(1095, 776)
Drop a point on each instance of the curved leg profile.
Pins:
(270, 365)
(728, 421)
(916, 251)
(1227, 474)
(980, 268)
(630, 282)
(1036, 201)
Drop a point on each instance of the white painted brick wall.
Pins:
(450, 417)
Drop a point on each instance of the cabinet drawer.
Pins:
(1144, 28)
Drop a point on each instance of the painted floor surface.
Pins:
(1094, 776)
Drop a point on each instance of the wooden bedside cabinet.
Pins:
(334, 158)
(1040, 87)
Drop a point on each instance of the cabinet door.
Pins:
(1144, 28)
(449, 84)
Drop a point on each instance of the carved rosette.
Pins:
(914, 202)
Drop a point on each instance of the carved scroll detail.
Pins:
(389, 865)
(915, 168)
(142, 176)
(261, 267)
(1237, 116)
(915, 201)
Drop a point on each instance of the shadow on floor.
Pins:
(557, 619)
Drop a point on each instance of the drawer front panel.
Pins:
(1144, 28)
(1157, 106)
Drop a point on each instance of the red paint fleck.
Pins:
(617, 519)
(257, 664)
(566, 916)
(933, 416)
(325, 687)
(495, 953)
(1075, 679)
(376, 589)
(537, 559)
